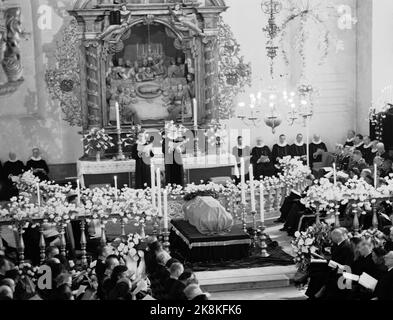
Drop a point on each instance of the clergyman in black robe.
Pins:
(174, 170)
(142, 153)
(299, 148)
(261, 160)
(317, 148)
(12, 168)
(281, 149)
(367, 150)
(38, 165)
(350, 138)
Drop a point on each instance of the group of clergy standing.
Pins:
(264, 159)
(14, 167)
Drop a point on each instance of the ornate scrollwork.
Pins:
(63, 80)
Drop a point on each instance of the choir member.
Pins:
(13, 167)
(38, 165)
(358, 143)
(281, 149)
(261, 160)
(142, 153)
(172, 148)
(381, 151)
(367, 150)
(299, 148)
(317, 148)
(350, 138)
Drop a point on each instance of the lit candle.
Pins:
(262, 202)
(159, 204)
(335, 173)
(375, 175)
(115, 179)
(195, 105)
(252, 187)
(118, 124)
(38, 195)
(243, 180)
(78, 190)
(166, 222)
(153, 184)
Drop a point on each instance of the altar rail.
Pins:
(274, 196)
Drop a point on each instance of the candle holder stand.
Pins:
(255, 232)
(166, 244)
(244, 217)
(120, 154)
(262, 241)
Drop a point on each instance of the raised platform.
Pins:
(195, 247)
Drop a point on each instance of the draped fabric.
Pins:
(208, 216)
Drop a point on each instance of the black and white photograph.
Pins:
(191, 157)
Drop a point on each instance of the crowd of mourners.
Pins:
(155, 276)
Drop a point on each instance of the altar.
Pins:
(196, 168)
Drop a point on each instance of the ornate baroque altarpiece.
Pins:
(156, 59)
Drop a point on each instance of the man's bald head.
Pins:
(338, 235)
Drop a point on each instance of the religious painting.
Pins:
(150, 77)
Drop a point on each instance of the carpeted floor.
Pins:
(277, 257)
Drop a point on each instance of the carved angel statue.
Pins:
(115, 30)
(183, 20)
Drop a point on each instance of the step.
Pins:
(245, 283)
(246, 279)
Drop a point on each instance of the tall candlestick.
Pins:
(115, 179)
(252, 187)
(153, 184)
(38, 195)
(159, 203)
(118, 124)
(195, 105)
(78, 190)
(334, 173)
(262, 202)
(375, 175)
(166, 222)
(243, 180)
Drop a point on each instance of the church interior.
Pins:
(196, 150)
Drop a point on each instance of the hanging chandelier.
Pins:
(271, 8)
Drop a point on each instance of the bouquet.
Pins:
(312, 241)
(97, 140)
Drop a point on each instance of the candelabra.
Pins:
(271, 8)
(255, 232)
(196, 141)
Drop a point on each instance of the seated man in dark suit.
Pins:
(384, 289)
(325, 283)
(175, 270)
(177, 290)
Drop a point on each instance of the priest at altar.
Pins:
(142, 153)
(261, 160)
(241, 151)
(172, 148)
(299, 148)
(281, 149)
(317, 148)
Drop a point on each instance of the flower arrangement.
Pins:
(312, 241)
(126, 247)
(132, 136)
(97, 140)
